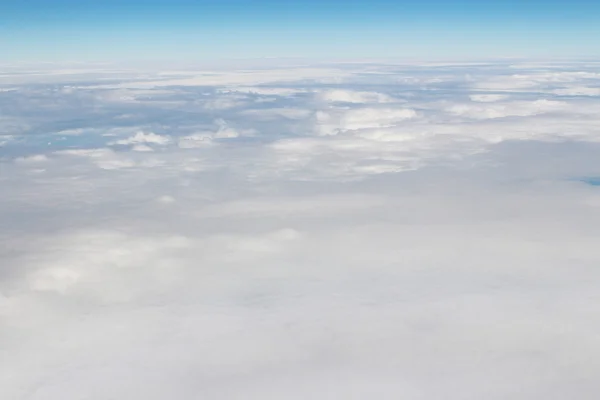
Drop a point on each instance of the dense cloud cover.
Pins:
(340, 231)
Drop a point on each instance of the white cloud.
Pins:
(243, 78)
(488, 98)
(224, 131)
(578, 91)
(269, 114)
(532, 80)
(350, 96)
(72, 132)
(205, 138)
(364, 230)
(4, 139)
(142, 137)
(11, 126)
(166, 199)
(314, 205)
(507, 109)
(103, 158)
(339, 120)
(142, 147)
(195, 141)
(268, 91)
(34, 159)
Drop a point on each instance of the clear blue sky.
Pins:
(107, 30)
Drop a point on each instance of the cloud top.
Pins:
(366, 230)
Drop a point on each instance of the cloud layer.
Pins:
(342, 231)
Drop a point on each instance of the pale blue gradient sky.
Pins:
(109, 30)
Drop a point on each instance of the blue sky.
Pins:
(203, 29)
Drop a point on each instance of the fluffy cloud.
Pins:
(142, 138)
(205, 138)
(350, 231)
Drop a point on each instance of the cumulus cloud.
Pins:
(361, 230)
(205, 138)
(142, 137)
